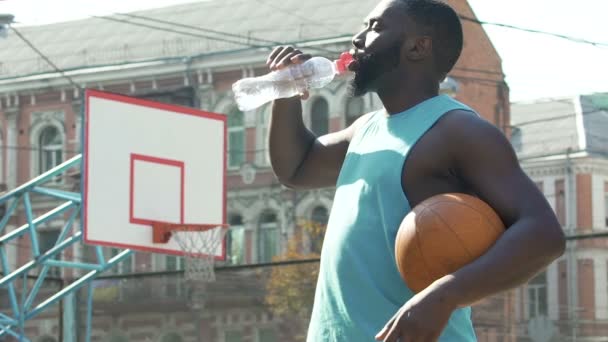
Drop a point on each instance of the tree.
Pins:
(290, 289)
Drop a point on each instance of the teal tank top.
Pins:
(359, 287)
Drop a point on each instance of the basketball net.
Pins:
(199, 245)
(199, 248)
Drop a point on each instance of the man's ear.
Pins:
(419, 48)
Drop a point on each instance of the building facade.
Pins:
(170, 55)
(563, 146)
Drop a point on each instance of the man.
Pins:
(420, 145)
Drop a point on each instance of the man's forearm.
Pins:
(289, 139)
(522, 251)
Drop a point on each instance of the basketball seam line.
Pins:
(480, 213)
(426, 265)
(453, 232)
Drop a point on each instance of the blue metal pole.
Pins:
(7, 319)
(9, 213)
(22, 315)
(41, 219)
(89, 311)
(42, 178)
(11, 288)
(47, 261)
(8, 330)
(81, 265)
(33, 263)
(31, 225)
(60, 194)
(100, 258)
(78, 283)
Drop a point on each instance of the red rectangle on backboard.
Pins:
(133, 217)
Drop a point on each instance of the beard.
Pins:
(371, 67)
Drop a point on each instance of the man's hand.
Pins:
(284, 56)
(421, 319)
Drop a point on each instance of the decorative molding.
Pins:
(587, 166)
(206, 96)
(48, 117)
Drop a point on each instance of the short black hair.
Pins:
(442, 23)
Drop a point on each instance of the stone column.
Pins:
(12, 133)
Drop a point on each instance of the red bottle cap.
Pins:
(345, 60)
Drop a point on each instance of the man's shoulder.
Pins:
(462, 121)
(465, 130)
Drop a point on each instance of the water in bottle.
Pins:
(317, 72)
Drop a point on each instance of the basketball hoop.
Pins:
(199, 243)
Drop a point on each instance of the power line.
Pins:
(248, 38)
(286, 11)
(197, 35)
(554, 118)
(266, 41)
(465, 18)
(43, 56)
(513, 27)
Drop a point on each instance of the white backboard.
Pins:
(147, 162)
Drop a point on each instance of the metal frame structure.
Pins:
(22, 308)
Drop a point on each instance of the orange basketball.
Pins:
(441, 235)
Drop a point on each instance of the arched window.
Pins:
(235, 240)
(316, 231)
(319, 117)
(236, 138)
(268, 237)
(50, 148)
(354, 109)
(172, 337)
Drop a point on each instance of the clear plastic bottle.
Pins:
(317, 72)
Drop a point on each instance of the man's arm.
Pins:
(534, 238)
(484, 159)
(300, 159)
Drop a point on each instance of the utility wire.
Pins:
(43, 56)
(513, 27)
(248, 38)
(197, 35)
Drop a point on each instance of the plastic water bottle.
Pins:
(317, 72)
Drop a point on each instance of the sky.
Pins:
(536, 66)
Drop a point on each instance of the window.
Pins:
(47, 239)
(354, 109)
(537, 296)
(173, 263)
(1, 157)
(236, 138)
(266, 335)
(263, 121)
(50, 147)
(233, 336)
(319, 218)
(606, 204)
(319, 117)
(560, 202)
(268, 237)
(235, 240)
